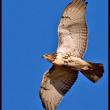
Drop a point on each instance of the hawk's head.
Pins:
(50, 57)
(55, 58)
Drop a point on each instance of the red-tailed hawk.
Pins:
(67, 60)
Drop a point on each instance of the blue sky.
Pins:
(29, 31)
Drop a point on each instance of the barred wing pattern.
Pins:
(55, 84)
(72, 30)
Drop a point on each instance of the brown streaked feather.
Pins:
(73, 29)
(55, 84)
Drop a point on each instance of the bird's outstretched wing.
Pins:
(72, 29)
(55, 84)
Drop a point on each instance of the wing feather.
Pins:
(55, 84)
(72, 29)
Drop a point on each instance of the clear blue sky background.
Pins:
(29, 31)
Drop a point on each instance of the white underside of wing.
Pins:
(73, 30)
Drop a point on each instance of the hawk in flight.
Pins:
(68, 58)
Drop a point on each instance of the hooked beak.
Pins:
(48, 57)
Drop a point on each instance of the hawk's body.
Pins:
(67, 60)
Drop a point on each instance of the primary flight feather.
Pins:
(67, 60)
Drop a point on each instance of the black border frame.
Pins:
(108, 54)
(1, 52)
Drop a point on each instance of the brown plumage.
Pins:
(67, 60)
(55, 84)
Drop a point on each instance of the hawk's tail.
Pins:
(95, 73)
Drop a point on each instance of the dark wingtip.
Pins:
(86, 3)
